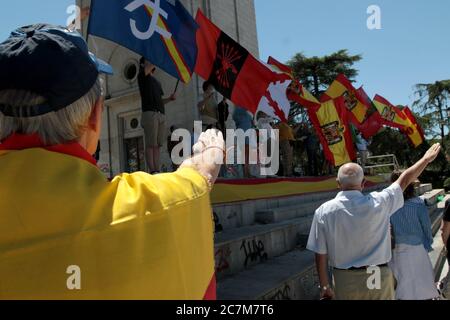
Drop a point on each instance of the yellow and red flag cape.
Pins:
(63, 224)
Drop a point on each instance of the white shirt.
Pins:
(354, 229)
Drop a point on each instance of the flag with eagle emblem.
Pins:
(342, 87)
(331, 123)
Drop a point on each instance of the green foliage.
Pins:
(391, 141)
(447, 184)
(317, 73)
(432, 104)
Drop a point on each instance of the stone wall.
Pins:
(236, 17)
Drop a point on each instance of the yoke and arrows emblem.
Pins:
(153, 27)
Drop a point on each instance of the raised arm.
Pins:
(411, 174)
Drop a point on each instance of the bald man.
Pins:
(351, 234)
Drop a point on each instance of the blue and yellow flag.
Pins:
(162, 31)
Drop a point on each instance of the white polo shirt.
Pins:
(354, 229)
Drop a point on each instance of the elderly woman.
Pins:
(410, 263)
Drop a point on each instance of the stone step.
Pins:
(288, 277)
(235, 215)
(275, 215)
(238, 249)
(423, 188)
(275, 275)
(288, 213)
(431, 197)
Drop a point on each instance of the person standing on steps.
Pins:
(153, 114)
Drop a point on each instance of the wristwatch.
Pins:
(324, 288)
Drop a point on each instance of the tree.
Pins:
(392, 141)
(317, 73)
(432, 104)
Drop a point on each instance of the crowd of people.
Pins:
(300, 150)
(50, 123)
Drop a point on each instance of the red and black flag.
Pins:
(233, 71)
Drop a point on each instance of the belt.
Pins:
(363, 268)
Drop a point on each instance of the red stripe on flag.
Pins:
(279, 65)
(211, 292)
(178, 51)
(277, 110)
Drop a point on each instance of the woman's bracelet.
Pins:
(215, 147)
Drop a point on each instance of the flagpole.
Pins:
(176, 87)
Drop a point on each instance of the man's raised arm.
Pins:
(413, 173)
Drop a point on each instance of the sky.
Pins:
(412, 47)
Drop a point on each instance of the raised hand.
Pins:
(432, 153)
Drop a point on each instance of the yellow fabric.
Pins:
(137, 237)
(309, 97)
(172, 48)
(286, 132)
(389, 114)
(333, 129)
(225, 193)
(337, 89)
(413, 133)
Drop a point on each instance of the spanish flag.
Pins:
(413, 131)
(401, 118)
(331, 123)
(391, 116)
(342, 87)
(296, 91)
(67, 233)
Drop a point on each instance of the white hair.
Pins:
(350, 175)
(67, 124)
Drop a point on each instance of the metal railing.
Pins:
(390, 161)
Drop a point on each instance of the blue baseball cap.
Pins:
(50, 61)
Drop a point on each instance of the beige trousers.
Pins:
(353, 285)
